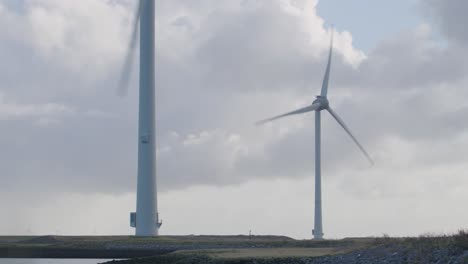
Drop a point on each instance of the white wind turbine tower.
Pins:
(319, 104)
(145, 220)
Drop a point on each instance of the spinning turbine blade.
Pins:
(295, 112)
(130, 57)
(340, 121)
(326, 78)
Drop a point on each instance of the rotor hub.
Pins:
(322, 101)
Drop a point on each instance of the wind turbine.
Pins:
(146, 219)
(319, 104)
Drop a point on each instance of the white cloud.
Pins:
(86, 35)
(41, 112)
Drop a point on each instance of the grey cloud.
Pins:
(449, 16)
(411, 59)
(222, 65)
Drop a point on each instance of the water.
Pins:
(52, 261)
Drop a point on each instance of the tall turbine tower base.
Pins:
(318, 231)
(147, 222)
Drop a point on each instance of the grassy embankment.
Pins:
(227, 249)
(420, 249)
(128, 246)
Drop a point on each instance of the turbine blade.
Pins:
(340, 121)
(295, 112)
(127, 67)
(326, 78)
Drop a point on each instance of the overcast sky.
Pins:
(68, 142)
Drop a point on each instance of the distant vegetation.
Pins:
(461, 239)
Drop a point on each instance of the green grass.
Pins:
(263, 252)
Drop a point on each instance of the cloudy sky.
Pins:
(68, 142)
